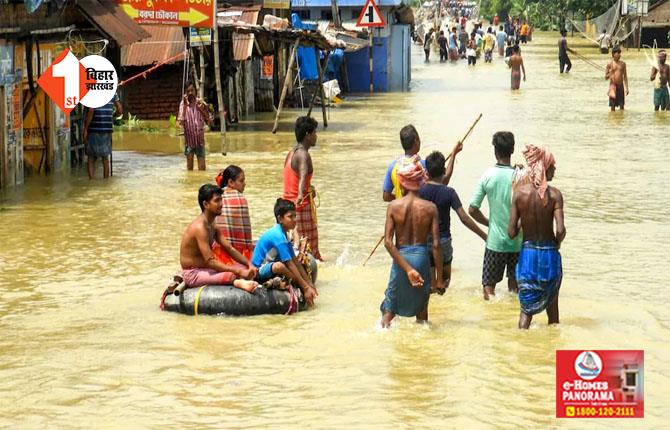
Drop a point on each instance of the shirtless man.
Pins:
(411, 219)
(660, 76)
(199, 265)
(616, 73)
(516, 64)
(537, 205)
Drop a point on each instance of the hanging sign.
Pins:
(184, 13)
(370, 16)
(276, 4)
(200, 36)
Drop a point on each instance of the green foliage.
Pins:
(173, 120)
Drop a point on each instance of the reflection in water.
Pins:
(82, 266)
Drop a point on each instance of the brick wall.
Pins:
(157, 96)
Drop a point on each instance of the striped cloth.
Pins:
(193, 120)
(103, 121)
(306, 226)
(234, 224)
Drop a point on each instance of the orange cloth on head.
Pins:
(539, 160)
(411, 175)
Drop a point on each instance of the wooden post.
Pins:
(320, 83)
(201, 89)
(287, 80)
(336, 14)
(219, 94)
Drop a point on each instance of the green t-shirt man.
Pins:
(496, 185)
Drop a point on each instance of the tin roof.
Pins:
(243, 44)
(107, 17)
(166, 41)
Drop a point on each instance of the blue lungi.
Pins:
(400, 297)
(538, 273)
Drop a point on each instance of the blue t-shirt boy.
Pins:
(272, 247)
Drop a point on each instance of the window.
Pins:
(631, 379)
(326, 15)
(303, 14)
(354, 14)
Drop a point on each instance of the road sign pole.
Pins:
(372, 85)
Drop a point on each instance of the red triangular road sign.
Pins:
(370, 16)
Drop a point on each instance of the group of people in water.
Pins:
(217, 247)
(519, 199)
(459, 44)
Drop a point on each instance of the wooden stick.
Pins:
(587, 61)
(219, 92)
(287, 80)
(373, 250)
(320, 82)
(466, 135)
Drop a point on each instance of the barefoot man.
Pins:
(537, 206)
(516, 64)
(616, 73)
(411, 219)
(199, 266)
(660, 76)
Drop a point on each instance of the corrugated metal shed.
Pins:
(107, 17)
(243, 44)
(659, 15)
(166, 41)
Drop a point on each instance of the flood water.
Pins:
(83, 265)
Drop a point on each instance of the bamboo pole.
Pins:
(466, 134)
(201, 89)
(287, 79)
(373, 250)
(219, 94)
(320, 82)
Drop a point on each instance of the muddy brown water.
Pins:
(83, 264)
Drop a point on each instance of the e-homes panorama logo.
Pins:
(91, 81)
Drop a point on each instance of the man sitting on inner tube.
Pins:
(199, 265)
(274, 255)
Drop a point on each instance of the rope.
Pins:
(165, 294)
(312, 193)
(153, 68)
(197, 300)
(293, 301)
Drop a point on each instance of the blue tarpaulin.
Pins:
(306, 56)
(32, 5)
(334, 64)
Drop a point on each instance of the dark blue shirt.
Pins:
(445, 198)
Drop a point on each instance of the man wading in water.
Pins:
(200, 266)
(537, 205)
(660, 75)
(516, 64)
(411, 144)
(410, 219)
(616, 73)
(496, 185)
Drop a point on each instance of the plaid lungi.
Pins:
(306, 226)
